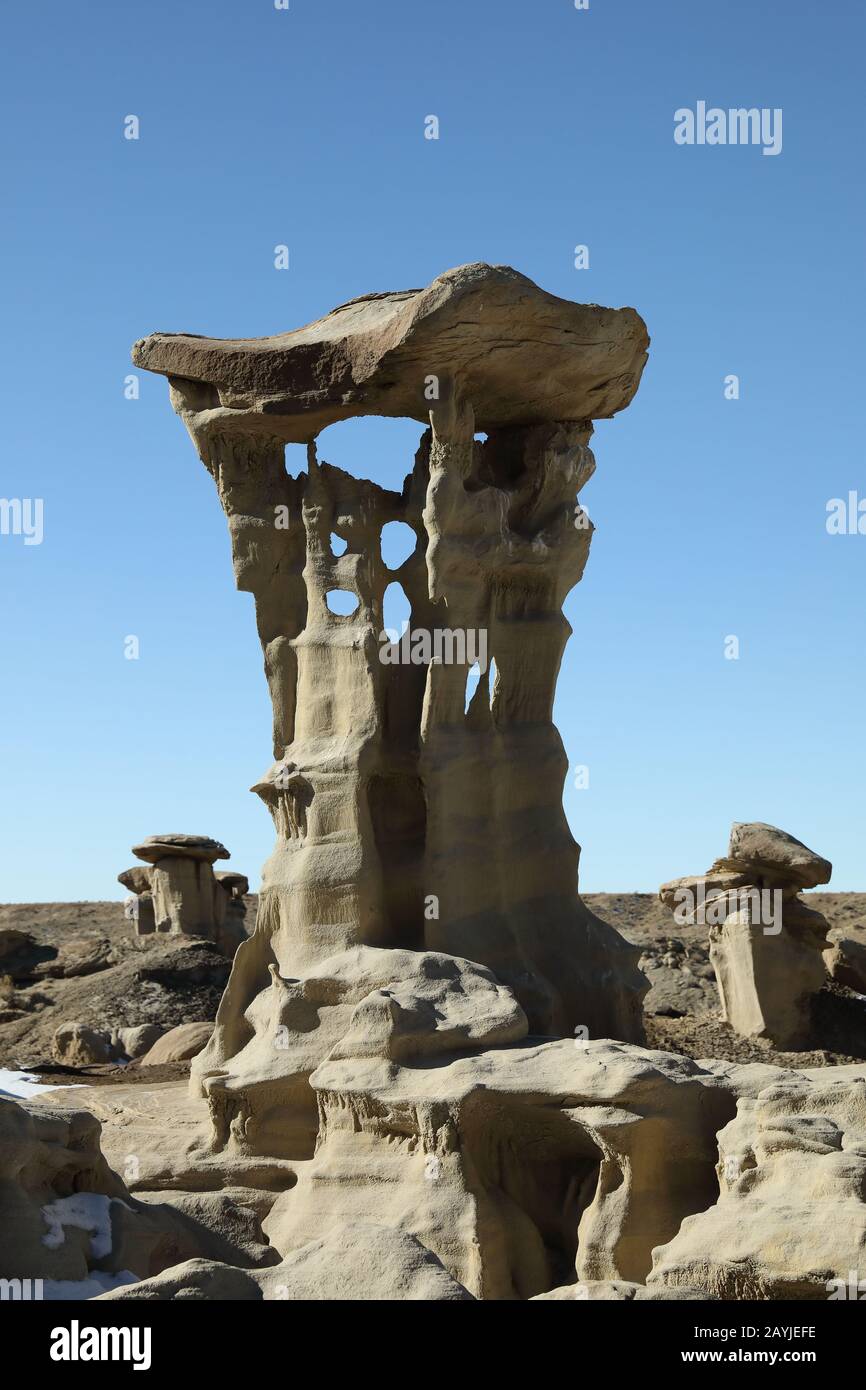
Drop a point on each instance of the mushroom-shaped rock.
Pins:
(200, 847)
(385, 791)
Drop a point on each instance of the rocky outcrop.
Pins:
(522, 1168)
(790, 1219)
(765, 942)
(179, 893)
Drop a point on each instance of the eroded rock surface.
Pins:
(404, 820)
(790, 1219)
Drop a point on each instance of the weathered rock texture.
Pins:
(790, 1219)
(402, 821)
(765, 943)
(66, 1216)
(180, 894)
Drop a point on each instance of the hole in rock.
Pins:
(473, 676)
(296, 460)
(338, 545)
(396, 611)
(372, 446)
(342, 602)
(398, 543)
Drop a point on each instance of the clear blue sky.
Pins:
(306, 127)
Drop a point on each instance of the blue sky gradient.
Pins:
(306, 127)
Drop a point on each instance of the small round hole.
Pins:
(342, 602)
(398, 542)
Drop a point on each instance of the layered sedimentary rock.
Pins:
(179, 892)
(404, 821)
(522, 1168)
(766, 943)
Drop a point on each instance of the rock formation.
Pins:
(765, 942)
(424, 1080)
(403, 822)
(69, 1220)
(180, 894)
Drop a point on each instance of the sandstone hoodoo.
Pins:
(179, 892)
(766, 944)
(404, 820)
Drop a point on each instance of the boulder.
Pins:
(756, 847)
(845, 959)
(789, 1221)
(178, 1044)
(76, 1045)
(527, 357)
(135, 1042)
(355, 1262)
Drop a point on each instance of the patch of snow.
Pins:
(86, 1211)
(20, 1084)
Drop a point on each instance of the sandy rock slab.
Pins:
(523, 1168)
(157, 1137)
(255, 1071)
(353, 1262)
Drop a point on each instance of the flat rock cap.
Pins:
(136, 879)
(764, 848)
(239, 882)
(200, 847)
(519, 355)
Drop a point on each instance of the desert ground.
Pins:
(63, 963)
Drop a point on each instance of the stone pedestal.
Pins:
(179, 893)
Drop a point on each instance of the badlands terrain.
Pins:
(431, 1071)
(68, 963)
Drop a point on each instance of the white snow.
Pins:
(20, 1084)
(87, 1211)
